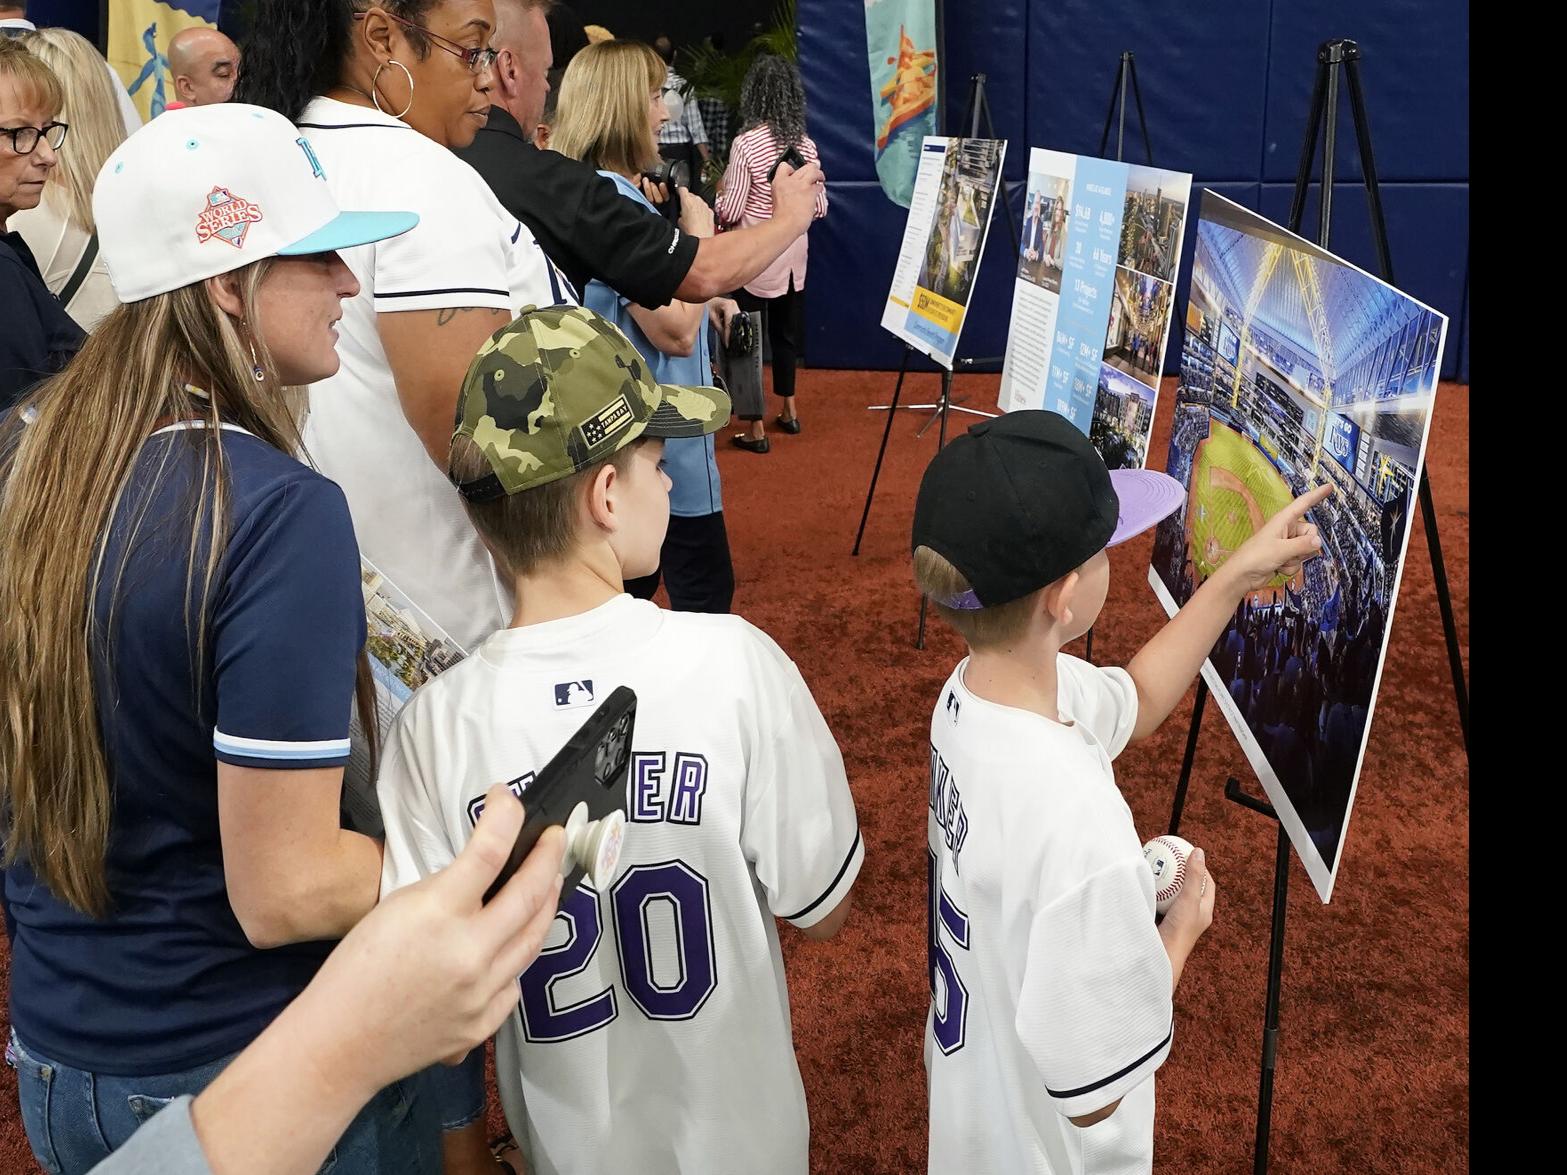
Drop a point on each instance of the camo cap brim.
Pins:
(560, 389)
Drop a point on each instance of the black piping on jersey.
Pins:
(842, 869)
(351, 126)
(452, 290)
(1142, 1060)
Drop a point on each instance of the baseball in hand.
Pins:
(1167, 857)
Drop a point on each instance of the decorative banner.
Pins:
(1095, 287)
(943, 241)
(1298, 368)
(139, 36)
(901, 36)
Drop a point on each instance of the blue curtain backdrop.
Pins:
(1225, 86)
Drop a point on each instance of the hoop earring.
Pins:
(256, 369)
(376, 98)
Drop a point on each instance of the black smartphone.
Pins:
(792, 157)
(591, 769)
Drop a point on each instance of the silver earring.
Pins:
(256, 369)
(375, 98)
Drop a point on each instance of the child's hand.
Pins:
(1192, 911)
(1281, 545)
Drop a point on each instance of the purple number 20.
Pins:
(672, 883)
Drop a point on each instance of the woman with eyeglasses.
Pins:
(382, 92)
(181, 626)
(38, 337)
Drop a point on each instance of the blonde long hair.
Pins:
(66, 456)
(90, 108)
(601, 116)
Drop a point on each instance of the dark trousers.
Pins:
(694, 564)
(782, 316)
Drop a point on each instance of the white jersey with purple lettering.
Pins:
(1050, 986)
(653, 1032)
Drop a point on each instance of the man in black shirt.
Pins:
(580, 218)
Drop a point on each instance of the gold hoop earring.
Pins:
(375, 98)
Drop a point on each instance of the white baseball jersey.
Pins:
(653, 1031)
(1050, 986)
(466, 250)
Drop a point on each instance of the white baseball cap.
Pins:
(209, 189)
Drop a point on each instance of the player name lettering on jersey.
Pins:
(665, 791)
(947, 803)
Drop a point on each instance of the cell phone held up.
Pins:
(582, 789)
(792, 157)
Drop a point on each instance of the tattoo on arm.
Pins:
(445, 317)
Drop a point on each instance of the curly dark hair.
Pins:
(295, 49)
(772, 95)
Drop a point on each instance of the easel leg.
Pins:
(881, 453)
(1185, 780)
(941, 443)
(1444, 601)
(1270, 1024)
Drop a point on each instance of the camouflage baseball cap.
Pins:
(561, 388)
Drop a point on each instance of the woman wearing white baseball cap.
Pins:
(181, 623)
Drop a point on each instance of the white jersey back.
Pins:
(465, 251)
(1050, 986)
(653, 1032)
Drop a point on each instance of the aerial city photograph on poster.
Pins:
(1298, 368)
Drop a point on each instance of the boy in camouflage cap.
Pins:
(626, 1052)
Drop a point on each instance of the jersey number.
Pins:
(663, 988)
(949, 1001)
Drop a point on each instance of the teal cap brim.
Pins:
(348, 229)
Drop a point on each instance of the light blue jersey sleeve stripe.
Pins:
(260, 748)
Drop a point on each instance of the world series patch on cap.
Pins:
(561, 388)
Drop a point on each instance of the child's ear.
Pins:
(1058, 598)
(602, 493)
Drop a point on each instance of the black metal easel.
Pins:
(1334, 58)
(1125, 76)
(976, 117)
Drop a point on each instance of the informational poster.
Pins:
(1298, 368)
(1096, 270)
(901, 38)
(405, 649)
(943, 241)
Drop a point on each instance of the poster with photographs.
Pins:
(943, 242)
(1096, 270)
(1298, 368)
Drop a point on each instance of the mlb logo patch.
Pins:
(953, 706)
(227, 217)
(573, 693)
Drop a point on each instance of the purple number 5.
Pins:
(950, 1004)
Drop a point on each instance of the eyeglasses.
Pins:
(478, 60)
(24, 139)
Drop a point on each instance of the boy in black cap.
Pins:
(1051, 985)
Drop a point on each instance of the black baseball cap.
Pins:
(1019, 501)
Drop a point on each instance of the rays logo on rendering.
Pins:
(227, 217)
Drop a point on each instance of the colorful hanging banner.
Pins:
(139, 36)
(901, 37)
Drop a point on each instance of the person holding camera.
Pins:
(772, 118)
(580, 217)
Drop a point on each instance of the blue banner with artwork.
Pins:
(901, 37)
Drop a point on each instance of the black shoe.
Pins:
(792, 427)
(742, 441)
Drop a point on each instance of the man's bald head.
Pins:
(522, 35)
(205, 65)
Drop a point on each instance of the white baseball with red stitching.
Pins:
(1166, 856)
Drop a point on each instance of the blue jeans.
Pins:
(74, 1119)
(457, 1091)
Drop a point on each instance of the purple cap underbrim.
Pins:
(1147, 498)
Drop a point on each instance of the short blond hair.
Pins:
(33, 78)
(982, 628)
(601, 117)
(88, 105)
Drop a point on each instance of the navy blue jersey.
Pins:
(168, 980)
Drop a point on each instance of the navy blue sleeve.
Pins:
(287, 631)
(24, 349)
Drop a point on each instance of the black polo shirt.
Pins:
(585, 225)
(38, 337)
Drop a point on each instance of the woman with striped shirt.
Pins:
(772, 120)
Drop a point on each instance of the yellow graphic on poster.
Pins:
(139, 36)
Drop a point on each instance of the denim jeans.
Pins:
(74, 1119)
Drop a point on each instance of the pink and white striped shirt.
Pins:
(747, 199)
